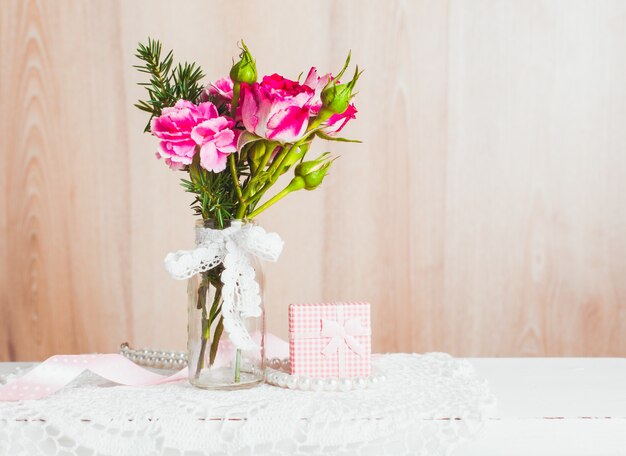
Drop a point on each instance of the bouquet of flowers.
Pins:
(233, 139)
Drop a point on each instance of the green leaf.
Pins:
(323, 135)
(246, 138)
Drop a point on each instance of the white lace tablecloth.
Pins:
(428, 405)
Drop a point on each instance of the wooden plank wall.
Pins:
(483, 215)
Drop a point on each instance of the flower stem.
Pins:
(202, 292)
(207, 322)
(252, 184)
(274, 171)
(238, 367)
(235, 100)
(280, 195)
(233, 172)
(219, 329)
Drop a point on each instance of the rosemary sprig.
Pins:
(167, 84)
(215, 193)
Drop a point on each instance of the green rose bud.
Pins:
(336, 97)
(314, 179)
(245, 69)
(314, 171)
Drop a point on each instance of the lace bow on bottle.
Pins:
(232, 247)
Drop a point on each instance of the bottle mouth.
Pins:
(226, 223)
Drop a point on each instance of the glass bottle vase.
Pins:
(214, 362)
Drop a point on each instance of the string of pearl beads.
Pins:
(154, 358)
(277, 373)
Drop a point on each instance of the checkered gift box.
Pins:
(330, 340)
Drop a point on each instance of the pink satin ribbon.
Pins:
(58, 371)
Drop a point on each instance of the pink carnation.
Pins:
(276, 109)
(184, 126)
(217, 140)
(222, 88)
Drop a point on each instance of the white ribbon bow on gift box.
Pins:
(343, 334)
(232, 247)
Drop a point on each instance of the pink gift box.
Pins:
(330, 340)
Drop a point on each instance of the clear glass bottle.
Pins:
(214, 362)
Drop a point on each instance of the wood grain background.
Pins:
(484, 214)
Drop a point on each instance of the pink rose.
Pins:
(176, 128)
(336, 122)
(276, 109)
(316, 83)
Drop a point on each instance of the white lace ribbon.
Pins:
(233, 247)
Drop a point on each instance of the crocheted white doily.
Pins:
(428, 405)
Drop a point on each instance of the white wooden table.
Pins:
(548, 406)
(553, 406)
